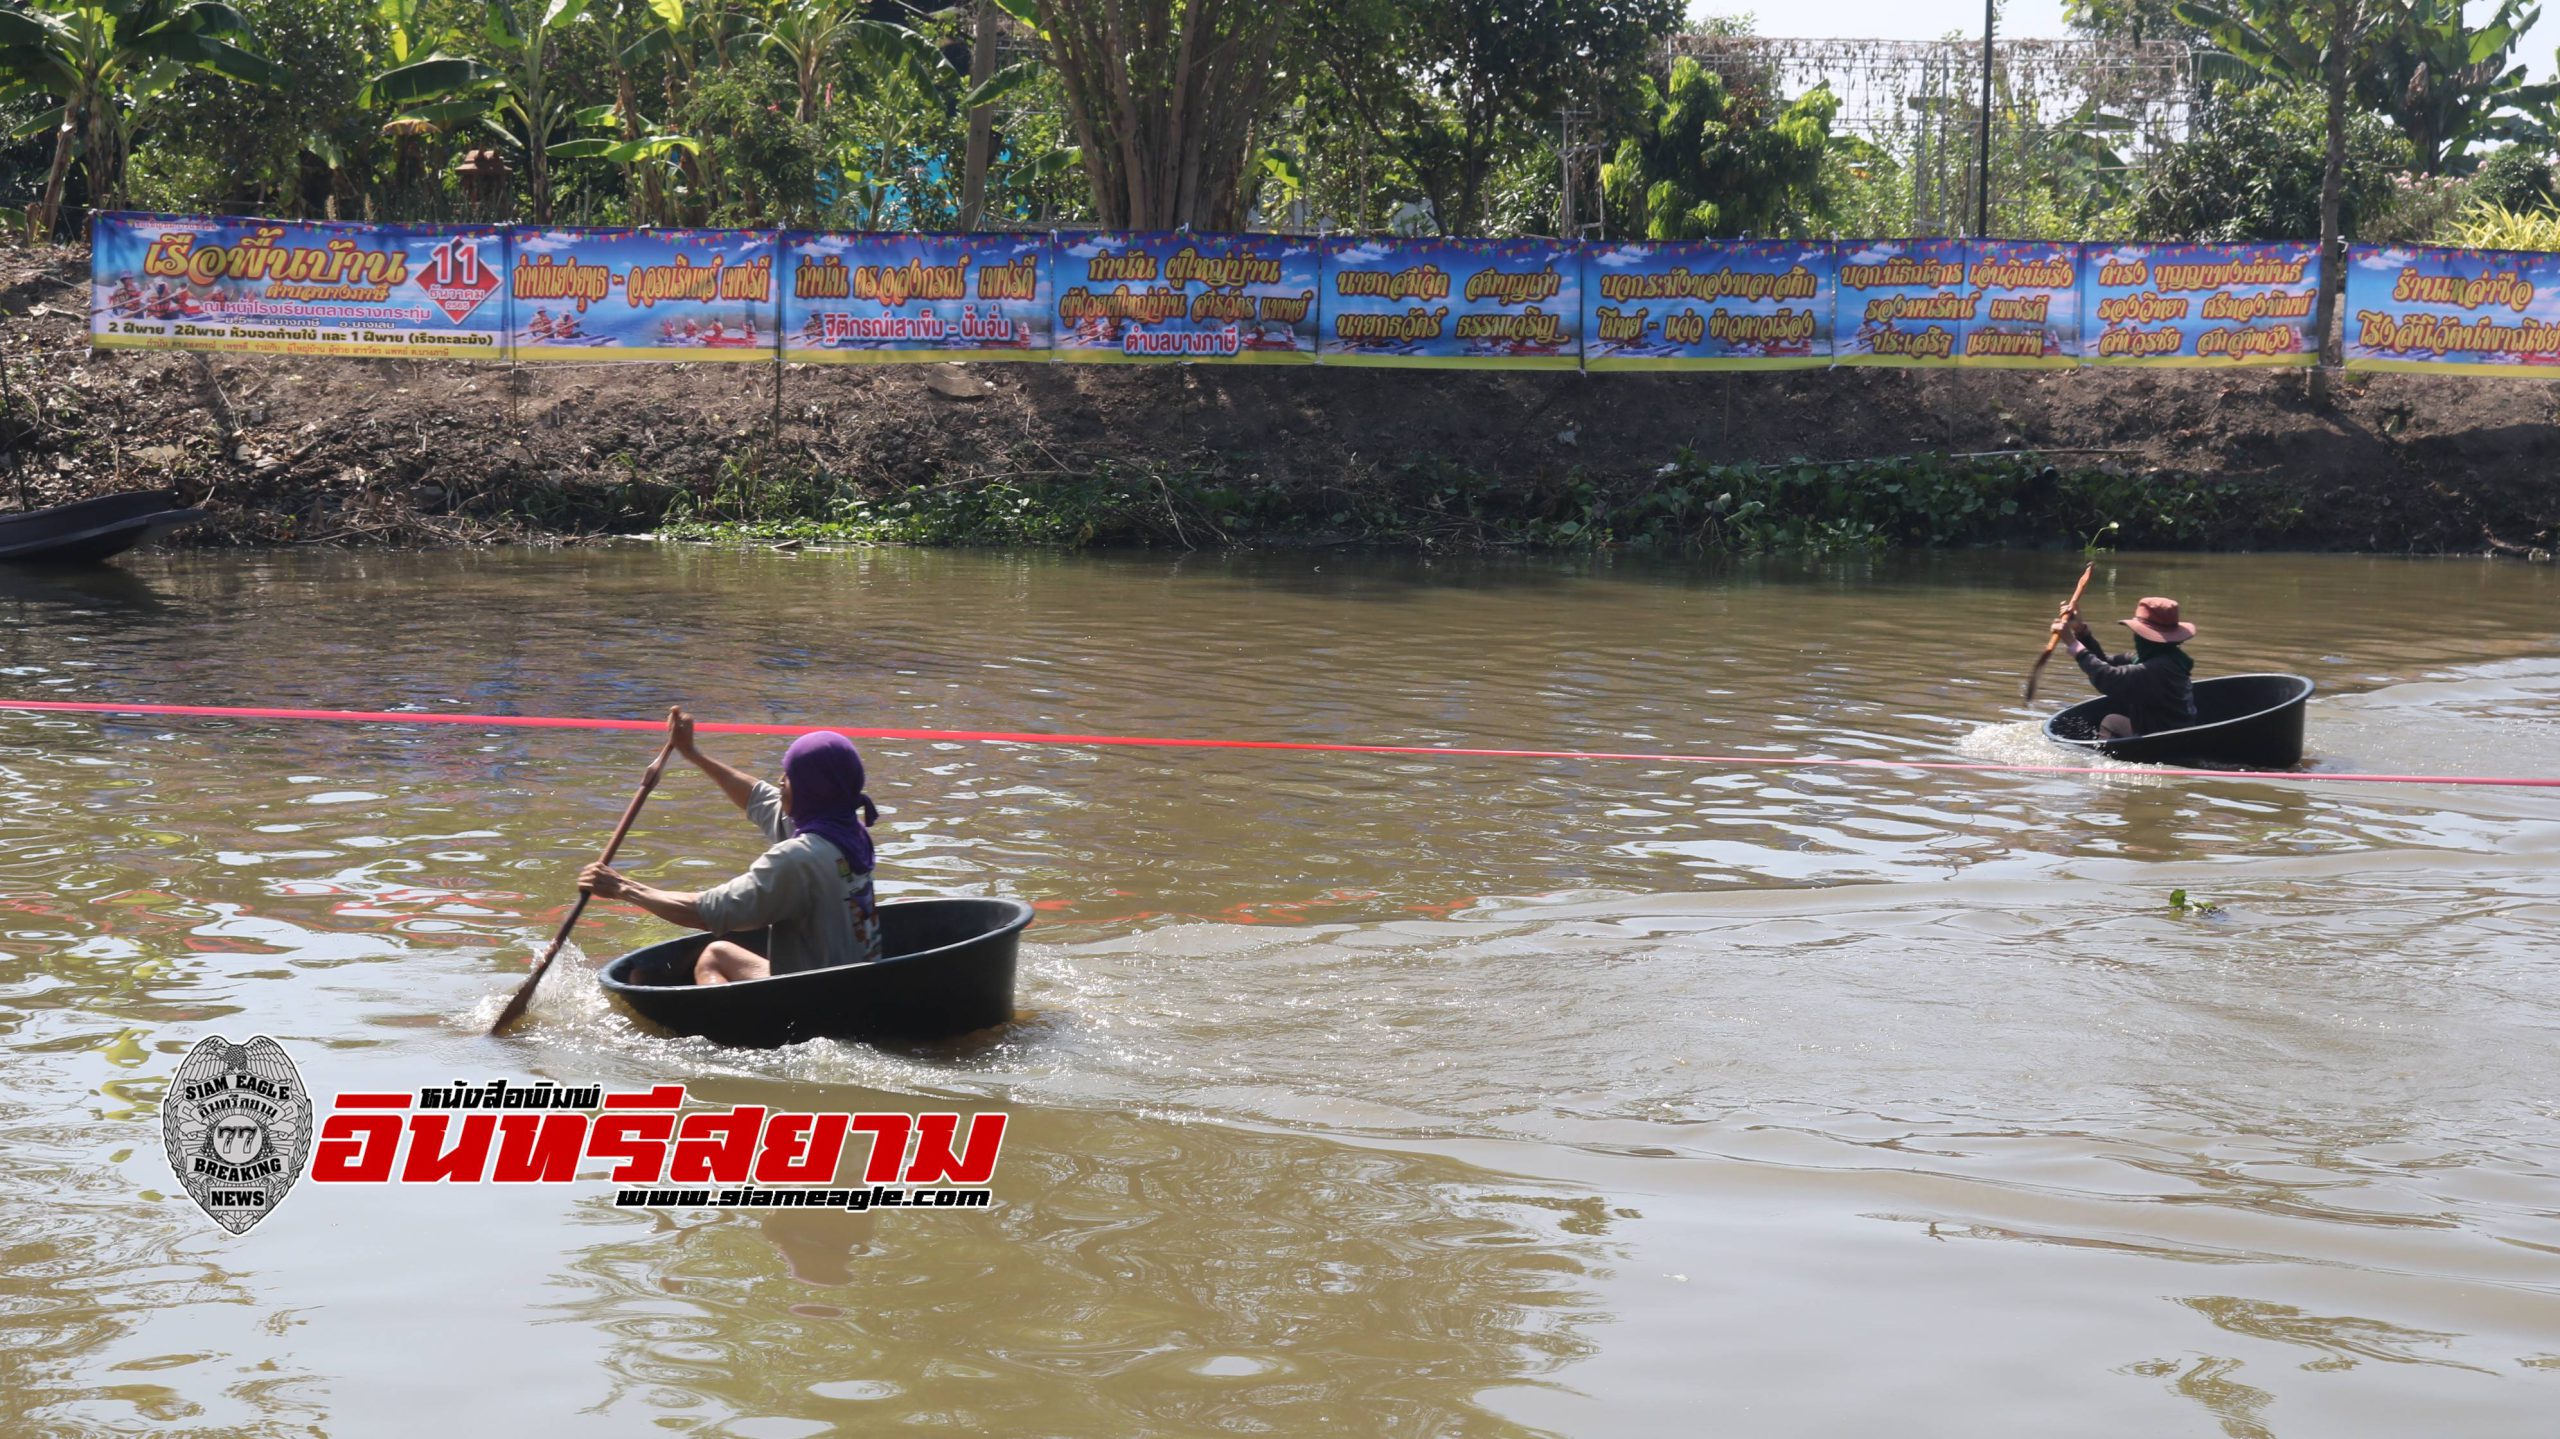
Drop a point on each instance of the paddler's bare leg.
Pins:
(724, 963)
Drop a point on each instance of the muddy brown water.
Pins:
(1352, 1094)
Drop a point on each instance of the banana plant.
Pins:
(810, 37)
(814, 36)
(2271, 37)
(93, 61)
(507, 89)
(2442, 79)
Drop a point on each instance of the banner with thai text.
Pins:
(2481, 312)
(2027, 295)
(1236, 299)
(850, 299)
(1509, 304)
(560, 293)
(1706, 305)
(581, 294)
(2200, 305)
(297, 287)
(1900, 302)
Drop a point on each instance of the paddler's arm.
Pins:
(2107, 676)
(737, 784)
(669, 905)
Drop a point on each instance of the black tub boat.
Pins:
(949, 970)
(91, 530)
(2242, 721)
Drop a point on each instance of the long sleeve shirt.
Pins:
(2154, 693)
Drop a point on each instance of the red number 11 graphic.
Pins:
(456, 264)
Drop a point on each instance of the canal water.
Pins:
(1377, 1094)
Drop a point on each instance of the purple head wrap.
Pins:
(825, 771)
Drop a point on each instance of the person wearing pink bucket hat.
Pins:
(2154, 687)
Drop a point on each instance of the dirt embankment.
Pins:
(359, 451)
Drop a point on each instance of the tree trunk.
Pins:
(982, 120)
(48, 211)
(1162, 103)
(2333, 179)
(103, 157)
(626, 96)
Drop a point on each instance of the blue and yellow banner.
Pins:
(850, 299)
(2028, 294)
(2435, 311)
(559, 293)
(1706, 305)
(2200, 305)
(1235, 299)
(297, 287)
(1901, 302)
(1501, 304)
(581, 294)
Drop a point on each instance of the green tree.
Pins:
(1495, 74)
(93, 61)
(1164, 98)
(2254, 167)
(2440, 78)
(763, 159)
(2516, 177)
(1710, 158)
(306, 148)
(1357, 91)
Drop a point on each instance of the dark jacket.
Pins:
(2154, 693)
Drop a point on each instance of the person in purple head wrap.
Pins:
(811, 891)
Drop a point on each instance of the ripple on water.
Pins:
(1350, 1090)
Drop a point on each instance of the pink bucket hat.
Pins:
(2156, 620)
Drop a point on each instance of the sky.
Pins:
(2026, 19)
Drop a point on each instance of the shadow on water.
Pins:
(48, 594)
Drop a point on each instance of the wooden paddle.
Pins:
(524, 993)
(2069, 607)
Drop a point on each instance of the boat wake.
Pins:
(2022, 742)
(574, 1015)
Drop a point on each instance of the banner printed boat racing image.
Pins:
(586, 294)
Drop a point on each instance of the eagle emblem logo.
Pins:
(238, 1126)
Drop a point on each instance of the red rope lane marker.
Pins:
(1289, 746)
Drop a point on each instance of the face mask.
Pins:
(2152, 649)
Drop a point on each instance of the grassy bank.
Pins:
(1687, 505)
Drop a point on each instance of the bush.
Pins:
(298, 150)
(1713, 158)
(2252, 170)
(1688, 506)
(759, 162)
(2417, 208)
(2515, 178)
